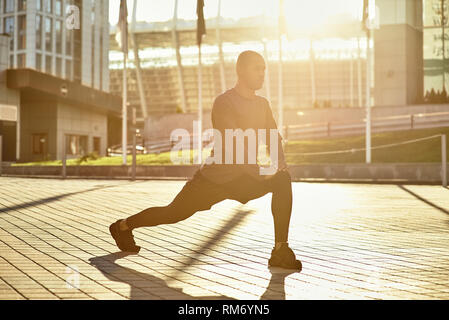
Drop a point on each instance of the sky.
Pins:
(299, 12)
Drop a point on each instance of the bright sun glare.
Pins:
(299, 13)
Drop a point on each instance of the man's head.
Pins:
(251, 69)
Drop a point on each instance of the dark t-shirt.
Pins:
(233, 111)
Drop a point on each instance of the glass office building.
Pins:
(55, 97)
(41, 38)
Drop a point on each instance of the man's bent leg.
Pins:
(247, 188)
(281, 205)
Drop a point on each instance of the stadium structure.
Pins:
(314, 75)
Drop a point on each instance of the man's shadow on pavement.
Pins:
(140, 283)
(114, 272)
(276, 288)
(48, 200)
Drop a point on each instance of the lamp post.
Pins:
(370, 22)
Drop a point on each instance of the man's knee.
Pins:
(283, 178)
(281, 182)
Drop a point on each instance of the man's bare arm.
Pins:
(271, 124)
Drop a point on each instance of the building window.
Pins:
(38, 61)
(48, 68)
(68, 35)
(68, 42)
(21, 60)
(48, 32)
(68, 69)
(22, 5)
(9, 6)
(59, 67)
(39, 5)
(8, 28)
(58, 7)
(48, 6)
(40, 143)
(22, 24)
(58, 30)
(97, 145)
(76, 145)
(38, 32)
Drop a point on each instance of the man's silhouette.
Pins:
(237, 108)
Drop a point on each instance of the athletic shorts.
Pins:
(199, 193)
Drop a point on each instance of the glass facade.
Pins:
(40, 38)
(38, 61)
(48, 66)
(53, 45)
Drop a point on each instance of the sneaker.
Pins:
(123, 239)
(284, 258)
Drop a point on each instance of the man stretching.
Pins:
(237, 108)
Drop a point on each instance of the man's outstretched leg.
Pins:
(198, 194)
(281, 208)
(280, 185)
(121, 230)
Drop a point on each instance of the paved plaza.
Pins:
(356, 241)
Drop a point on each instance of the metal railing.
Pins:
(381, 124)
(443, 152)
(338, 128)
